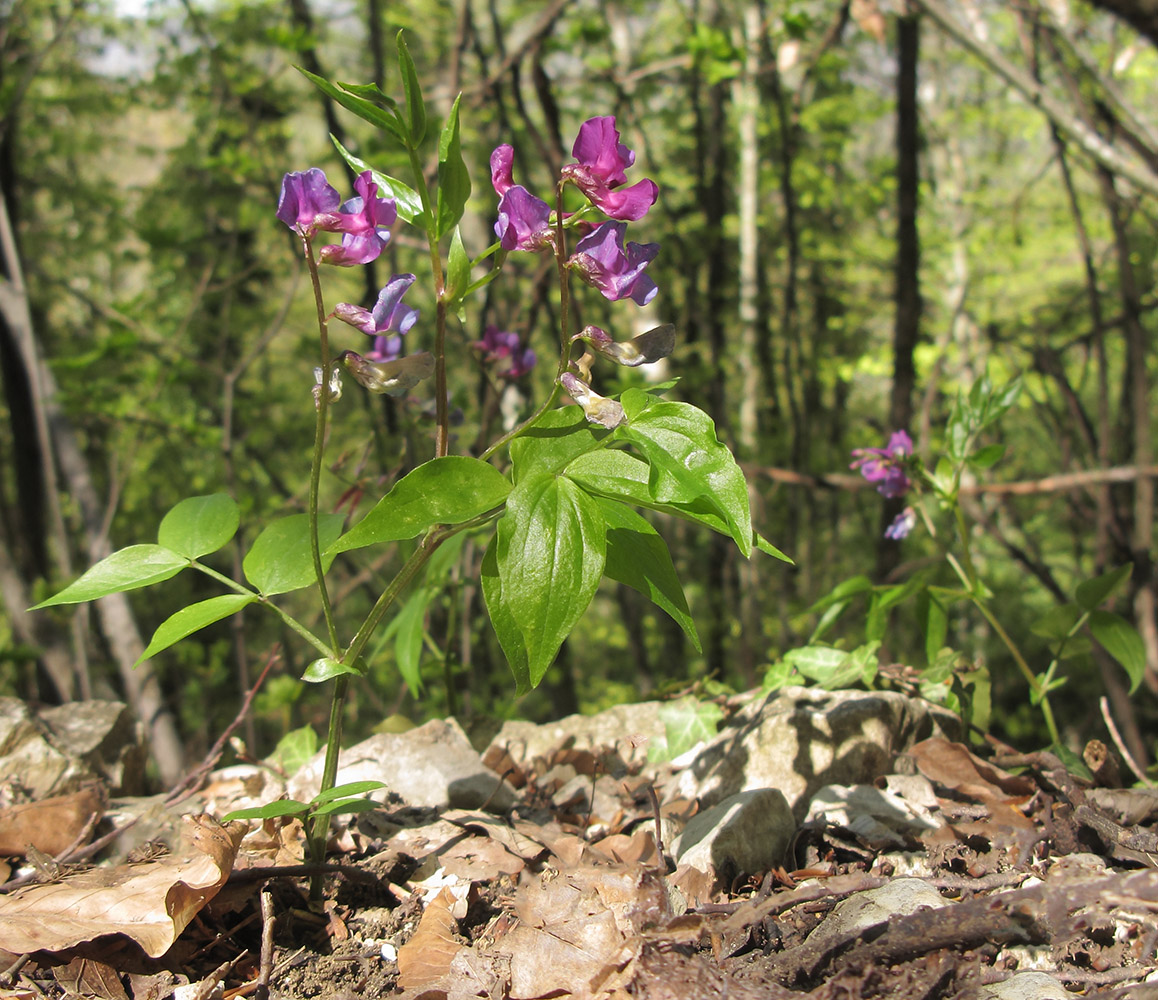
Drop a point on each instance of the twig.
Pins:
(8, 976)
(1116, 736)
(262, 991)
(192, 781)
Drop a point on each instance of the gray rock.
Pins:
(1026, 986)
(433, 765)
(800, 739)
(897, 898)
(749, 831)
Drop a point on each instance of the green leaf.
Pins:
(409, 637)
(280, 559)
(688, 722)
(935, 618)
(127, 569)
(447, 490)
(294, 749)
(346, 806)
(828, 667)
(987, 457)
(271, 810)
(406, 199)
(688, 463)
(457, 270)
(1073, 762)
(348, 790)
(366, 110)
(769, 549)
(193, 618)
(1092, 594)
(639, 557)
(842, 592)
(1121, 640)
(199, 525)
(502, 620)
(326, 668)
(1056, 623)
(779, 674)
(453, 177)
(550, 562)
(415, 109)
(556, 438)
(998, 401)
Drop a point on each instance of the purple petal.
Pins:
(501, 160)
(628, 204)
(307, 201)
(524, 221)
(359, 249)
(597, 147)
(390, 312)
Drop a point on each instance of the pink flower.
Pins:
(599, 172)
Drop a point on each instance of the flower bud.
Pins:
(599, 409)
(390, 377)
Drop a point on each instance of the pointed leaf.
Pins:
(502, 620)
(348, 790)
(550, 563)
(192, 619)
(415, 109)
(127, 569)
(366, 110)
(325, 668)
(453, 177)
(688, 463)
(271, 810)
(447, 490)
(457, 270)
(987, 457)
(639, 557)
(555, 439)
(280, 559)
(406, 199)
(1121, 640)
(769, 549)
(409, 637)
(199, 525)
(1092, 594)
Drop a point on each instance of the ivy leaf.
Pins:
(415, 109)
(453, 177)
(447, 490)
(502, 620)
(126, 569)
(556, 438)
(199, 525)
(280, 559)
(192, 619)
(1121, 640)
(550, 561)
(294, 749)
(688, 463)
(639, 557)
(406, 199)
(687, 722)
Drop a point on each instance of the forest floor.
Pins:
(1025, 883)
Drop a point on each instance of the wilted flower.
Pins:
(498, 345)
(617, 272)
(599, 409)
(599, 172)
(390, 377)
(886, 466)
(390, 315)
(644, 349)
(365, 222)
(335, 386)
(902, 524)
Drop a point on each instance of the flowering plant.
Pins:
(556, 497)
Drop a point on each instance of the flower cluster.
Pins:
(888, 468)
(309, 204)
(503, 345)
(603, 258)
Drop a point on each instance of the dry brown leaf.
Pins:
(151, 903)
(50, 825)
(639, 848)
(952, 766)
(426, 957)
(88, 978)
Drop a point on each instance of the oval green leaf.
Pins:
(280, 559)
(453, 177)
(127, 569)
(1094, 593)
(193, 618)
(199, 525)
(1121, 640)
(326, 668)
(347, 790)
(446, 490)
(271, 810)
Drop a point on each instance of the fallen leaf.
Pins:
(50, 825)
(152, 903)
(426, 957)
(88, 978)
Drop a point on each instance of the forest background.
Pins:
(865, 207)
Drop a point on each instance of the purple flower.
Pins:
(600, 171)
(498, 345)
(524, 221)
(902, 524)
(616, 271)
(886, 466)
(365, 222)
(308, 202)
(390, 315)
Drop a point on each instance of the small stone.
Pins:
(897, 898)
(1026, 986)
(749, 831)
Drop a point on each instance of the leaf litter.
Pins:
(960, 874)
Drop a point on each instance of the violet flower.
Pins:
(886, 466)
(524, 221)
(617, 272)
(499, 345)
(365, 222)
(902, 524)
(599, 172)
(308, 202)
(390, 315)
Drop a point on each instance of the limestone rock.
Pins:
(1026, 986)
(748, 832)
(897, 898)
(433, 765)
